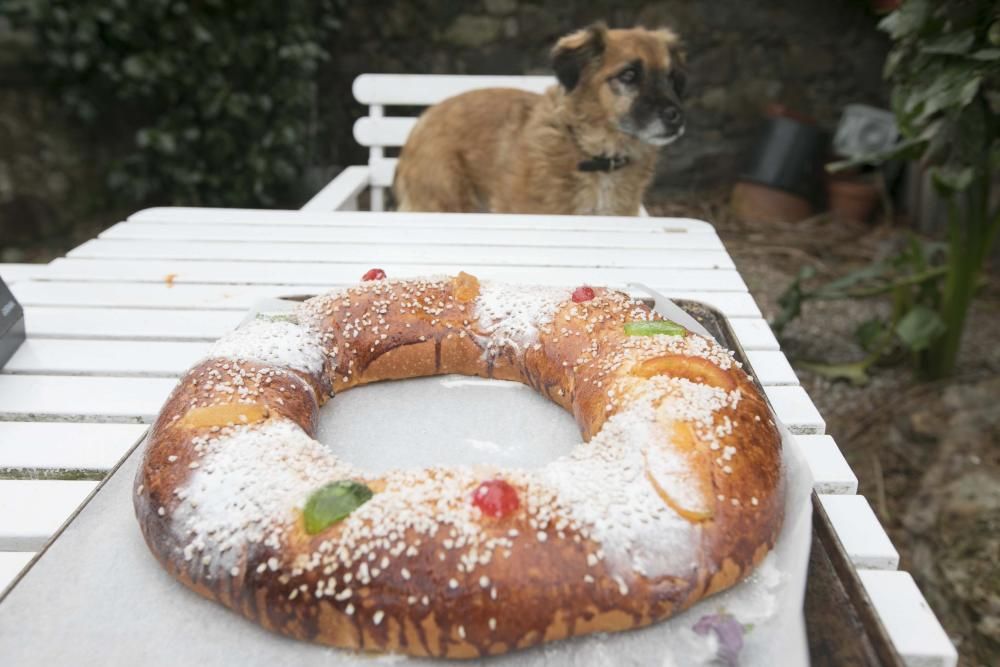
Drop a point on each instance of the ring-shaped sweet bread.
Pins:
(676, 491)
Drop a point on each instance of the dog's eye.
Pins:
(629, 75)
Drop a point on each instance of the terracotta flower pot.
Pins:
(852, 197)
(759, 203)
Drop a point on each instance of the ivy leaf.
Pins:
(792, 298)
(869, 332)
(332, 503)
(906, 20)
(985, 55)
(919, 328)
(949, 179)
(855, 372)
(955, 44)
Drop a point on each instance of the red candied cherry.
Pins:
(496, 498)
(581, 294)
(374, 274)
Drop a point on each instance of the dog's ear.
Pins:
(572, 53)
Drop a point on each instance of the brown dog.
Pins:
(586, 146)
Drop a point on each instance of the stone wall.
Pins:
(812, 55)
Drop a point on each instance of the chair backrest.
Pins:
(378, 131)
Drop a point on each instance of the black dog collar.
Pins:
(603, 163)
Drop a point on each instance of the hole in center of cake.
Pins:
(445, 420)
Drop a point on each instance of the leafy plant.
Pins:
(216, 98)
(911, 278)
(944, 69)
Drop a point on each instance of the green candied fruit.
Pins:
(332, 503)
(659, 327)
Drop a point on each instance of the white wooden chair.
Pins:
(382, 133)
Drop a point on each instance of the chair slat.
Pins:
(342, 191)
(427, 89)
(391, 131)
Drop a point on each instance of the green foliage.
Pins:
(912, 278)
(215, 99)
(944, 68)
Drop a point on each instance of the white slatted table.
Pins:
(111, 326)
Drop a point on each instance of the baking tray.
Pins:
(842, 626)
(73, 604)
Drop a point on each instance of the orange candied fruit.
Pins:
(695, 369)
(465, 287)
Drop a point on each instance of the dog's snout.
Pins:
(673, 115)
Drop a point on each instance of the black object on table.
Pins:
(11, 324)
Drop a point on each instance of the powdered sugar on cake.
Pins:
(275, 342)
(510, 316)
(246, 490)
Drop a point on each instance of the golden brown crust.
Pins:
(541, 574)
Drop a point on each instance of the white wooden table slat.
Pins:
(105, 357)
(325, 273)
(772, 368)
(128, 324)
(915, 631)
(296, 235)
(32, 510)
(831, 473)
(54, 446)
(460, 222)
(152, 295)
(860, 532)
(82, 398)
(754, 334)
(241, 297)
(794, 409)
(14, 272)
(379, 254)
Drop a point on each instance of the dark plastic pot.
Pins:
(789, 156)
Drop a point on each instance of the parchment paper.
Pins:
(98, 597)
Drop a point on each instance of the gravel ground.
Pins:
(925, 454)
